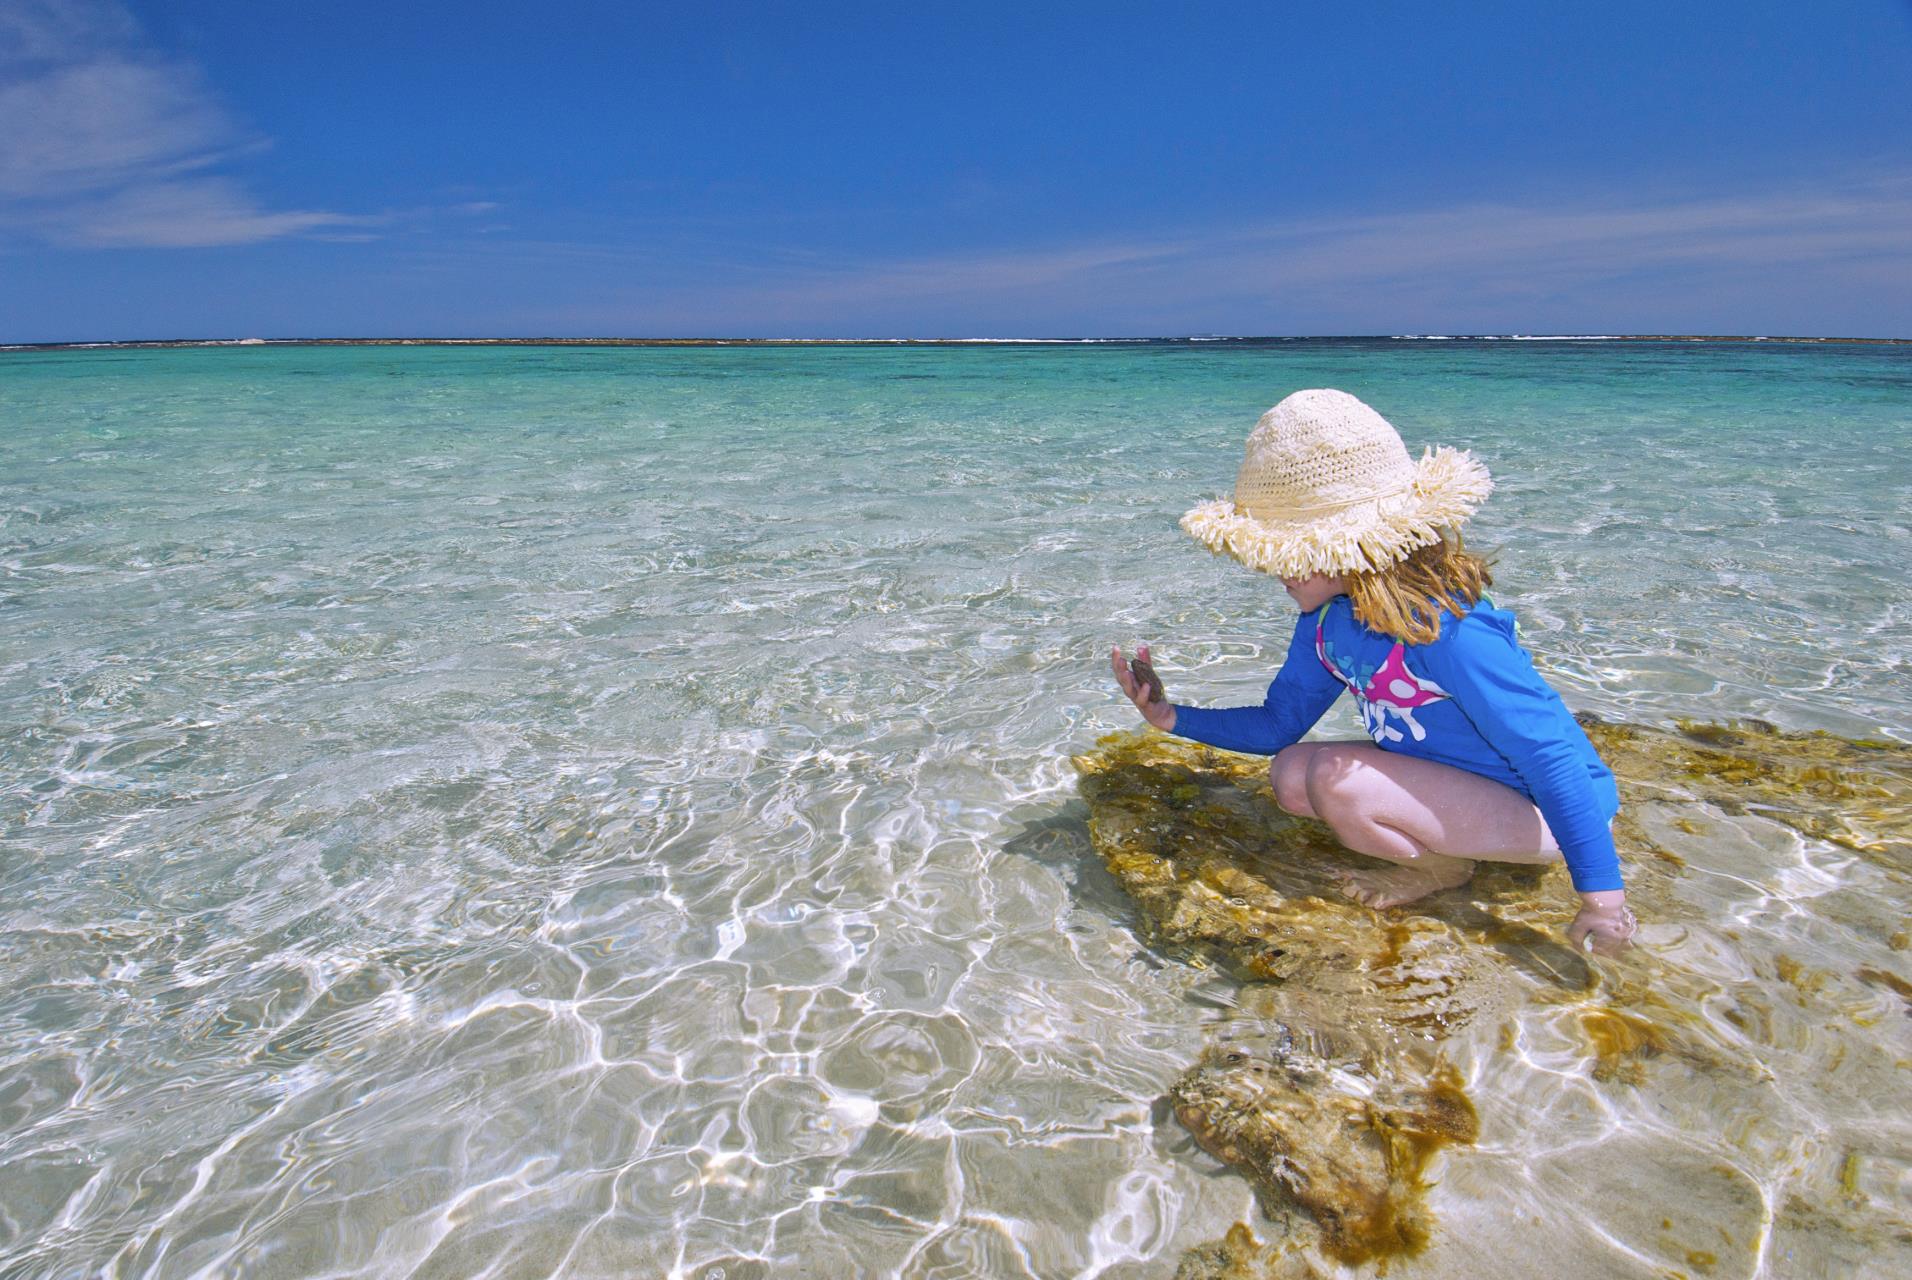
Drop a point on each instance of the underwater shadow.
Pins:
(1059, 839)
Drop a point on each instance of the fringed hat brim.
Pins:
(1449, 486)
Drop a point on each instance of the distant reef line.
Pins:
(154, 343)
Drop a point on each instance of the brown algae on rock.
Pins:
(1354, 1163)
(1621, 1044)
(1890, 981)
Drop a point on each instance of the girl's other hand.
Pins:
(1602, 927)
(1143, 687)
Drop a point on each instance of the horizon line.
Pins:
(151, 343)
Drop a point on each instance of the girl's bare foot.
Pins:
(1393, 885)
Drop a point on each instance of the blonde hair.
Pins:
(1406, 599)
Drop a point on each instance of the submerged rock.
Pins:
(1351, 1158)
(1337, 1110)
(1334, 1114)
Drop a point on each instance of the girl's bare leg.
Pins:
(1432, 821)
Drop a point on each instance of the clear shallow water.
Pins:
(607, 812)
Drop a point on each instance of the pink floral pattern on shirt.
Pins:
(1388, 692)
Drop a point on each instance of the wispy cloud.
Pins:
(1471, 251)
(106, 143)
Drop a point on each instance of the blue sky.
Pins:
(188, 168)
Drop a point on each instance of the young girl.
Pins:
(1474, 756)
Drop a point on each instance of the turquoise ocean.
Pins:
(532, 811)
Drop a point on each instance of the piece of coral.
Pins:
(1240, 1256)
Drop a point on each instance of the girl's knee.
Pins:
(1288, 775)
(1334, 784)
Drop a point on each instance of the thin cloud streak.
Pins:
(1743, 232)
(1446, 256)
(108, 145)
(202, 213)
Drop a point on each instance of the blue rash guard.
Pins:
(1470, 699)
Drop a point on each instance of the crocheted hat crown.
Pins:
(1318, 450)
(1327, 486)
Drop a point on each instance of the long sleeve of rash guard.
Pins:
(1301, 693)
(1494, 684)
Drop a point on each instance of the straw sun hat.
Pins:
(1328, 487)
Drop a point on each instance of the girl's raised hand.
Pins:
(1143, 687)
